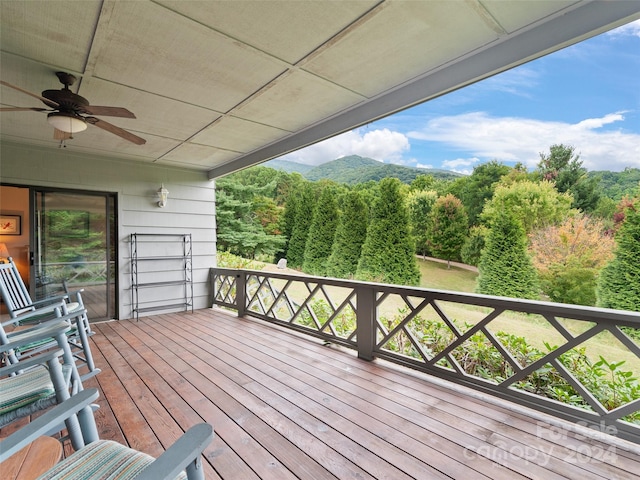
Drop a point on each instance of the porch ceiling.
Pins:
(218, 86)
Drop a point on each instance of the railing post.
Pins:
(366, 320)
(241, 293)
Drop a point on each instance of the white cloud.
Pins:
(513, 139)
(423, 165)
(591, 123)
(381, 144)
(630, 29)
(461, 165)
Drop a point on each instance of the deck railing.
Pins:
(529, 345)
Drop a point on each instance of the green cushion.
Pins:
(26, 388)
(104, 459)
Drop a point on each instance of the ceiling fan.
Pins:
(70, 113)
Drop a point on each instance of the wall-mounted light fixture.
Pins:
(163, 196)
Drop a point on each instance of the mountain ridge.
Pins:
(354, 169)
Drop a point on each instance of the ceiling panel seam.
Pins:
(100, 33)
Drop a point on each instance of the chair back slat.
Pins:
(14, 292)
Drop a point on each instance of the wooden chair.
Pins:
(107, 459)
(23, 311)
(36, 384)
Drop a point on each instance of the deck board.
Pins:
(286, 406)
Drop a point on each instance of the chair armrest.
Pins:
(75, 293)
(73, 316)
(48, 309)
(30, 362)
(185, 451)
(39, 332)
(44, 423)
(53, 299)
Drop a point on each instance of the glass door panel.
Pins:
(74, 247)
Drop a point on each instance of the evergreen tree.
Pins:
(449, 227)
(619, 283)
(473, 245)
(388, 253)
(303, 214)
(239, 231)
(321, 233)
(420, 203)
(287, 222)
(505, 267)
(350, 235)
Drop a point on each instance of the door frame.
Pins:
(111, 254)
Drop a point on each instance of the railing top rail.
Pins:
(577, 312)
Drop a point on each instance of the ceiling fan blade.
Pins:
(46, 101)
(22, 109)
(108, 111)
(115, 130)
(60, 135)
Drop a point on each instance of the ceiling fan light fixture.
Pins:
(67, 122)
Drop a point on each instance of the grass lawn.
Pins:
(436, 275)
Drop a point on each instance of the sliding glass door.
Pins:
(74, 247)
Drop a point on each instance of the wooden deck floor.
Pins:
(287, 407)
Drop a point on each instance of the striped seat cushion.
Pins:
(101, 460)
(24, 389)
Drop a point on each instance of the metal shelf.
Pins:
(160, 252)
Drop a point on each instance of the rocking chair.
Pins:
(23, 311)
(107, 459)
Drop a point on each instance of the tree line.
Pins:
(550, 233)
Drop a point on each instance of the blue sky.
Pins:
(586, 95)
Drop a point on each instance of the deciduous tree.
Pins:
(569, 257)
(562, 166)
(448, 229)
(479, 188)
(534, 204)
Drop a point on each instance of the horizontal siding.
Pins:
(190, 208)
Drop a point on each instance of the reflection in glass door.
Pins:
(74, 247)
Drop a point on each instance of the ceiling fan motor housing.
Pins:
(68, 101)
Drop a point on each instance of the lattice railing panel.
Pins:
(224, 290)
(423, 331)
(327, 311)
